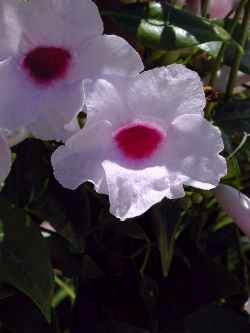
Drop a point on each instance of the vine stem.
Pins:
(205, 6)
(238, 52)
(224, 44)
(239, 147)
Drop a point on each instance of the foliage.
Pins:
(181, 267)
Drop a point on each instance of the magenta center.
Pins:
(47, 64)
(138, 140)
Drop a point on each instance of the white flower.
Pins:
(247, 306)
(9, 139)
(145, 137)
(16, 136)
(236, 205)
(47, 47)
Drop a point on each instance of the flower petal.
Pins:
(15, 137)
(236, 204)
(80, 159)
(61, 22)
(107, 55)
(247, 306)
(18, 105)
(22, 103)
(133, 192)
(10, 31)
(167, 93)
(192, 152)
(106, 100)
(54, 127)
(220, 8)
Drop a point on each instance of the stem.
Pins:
(238, 53)
(224, 44)
(205, 6)
(240, 146)
(244, 263)
(68, 289)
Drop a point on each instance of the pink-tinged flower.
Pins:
(144, 138)
(217, 8)
(46, 49)
(5, 158)
(236, 205)
(247, 306)
(220, 8)
(194, 6)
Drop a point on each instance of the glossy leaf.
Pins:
(165, 27)
(24, 258)
(234, 116)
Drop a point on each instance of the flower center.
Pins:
(138, 140)
(46, 64)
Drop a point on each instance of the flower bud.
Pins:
(236, 205)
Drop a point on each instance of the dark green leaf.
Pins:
(234, 116)
(165, 27)
(131, 230)
(233, 169)
(20, 315)
(28, 178)
(24, 258)
(230, 51)
(165, 218)
(217, 319)
(245, 59)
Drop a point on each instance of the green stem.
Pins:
(238, 52)
(205, 6)
(240, 146)
(68, 289)
(223, 46)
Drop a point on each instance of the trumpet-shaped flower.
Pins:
(145, 137)
(236, 205)
(46, 49)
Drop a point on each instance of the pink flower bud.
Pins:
(194, 6)
(247, 306)
(236, 205)
(220, 8)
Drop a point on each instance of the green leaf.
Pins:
(24, 258)
(230, 51)
(28, 178)
(165, 27)
(131, 230)
(234, 116)
(165, 222)
(19, 314)
(245, 59)
(212, 48)
(233, 168)
(215, 318)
